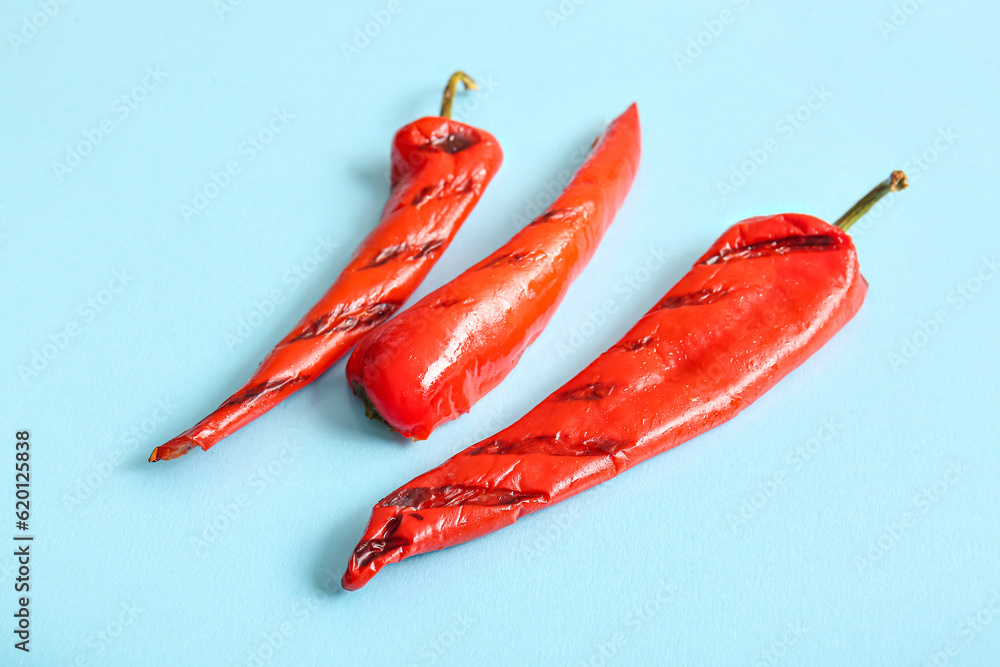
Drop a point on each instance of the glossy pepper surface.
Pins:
(767, 295)
(436, 359)
(440, 168)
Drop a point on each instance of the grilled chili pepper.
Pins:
(767, 295)
(435, 360)
(440, 167)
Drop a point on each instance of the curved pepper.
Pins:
(436, 359)
(440, 168)
(766, 296)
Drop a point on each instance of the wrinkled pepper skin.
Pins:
(766, 296)
(440, 168)
(433, 362)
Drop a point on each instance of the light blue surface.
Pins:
(838, 559)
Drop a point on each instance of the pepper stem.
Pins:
(896, 182)
(370, 410)
(449, 90)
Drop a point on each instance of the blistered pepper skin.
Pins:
(436, 359)
(767, 295)
(440, 168)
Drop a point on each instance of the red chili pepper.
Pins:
(440, 167)
(767, 295)
(435, 360)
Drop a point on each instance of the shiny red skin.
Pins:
(440, 168)
(767, 295)
(436, 359)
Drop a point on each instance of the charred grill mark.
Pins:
(517, 258)
(387, 254)
(425, 194)
(551, 215)
(551, 446)
(371, 316)
(588, 392)
(404, 251)
(702, 297)
(501, 447)
(452, 495)
(367, 317)
(450, 302)
(782, 246)
(261, 388)
(442, 189)
(428, 248)
(455, 142)
(368, 550)
(633, 345)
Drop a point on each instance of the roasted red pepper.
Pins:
(768, 294)
(440, 167)
(435, 360)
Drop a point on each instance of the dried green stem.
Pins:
(449, 90)
(896, 182)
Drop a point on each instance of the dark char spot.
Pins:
(368, 550)
(442, 189)
(701, 297)
(589, 392)
(452, 495)
(261, 388)
(366, 317)
(510, 259)
(455, 142)
(551, 215)
(448, 302)
(428, 248)
(424, 195)
(633, 345)
(404, 251)
(782, 246)
(551, 446)
(387, 254)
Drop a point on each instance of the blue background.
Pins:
(849, 517)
